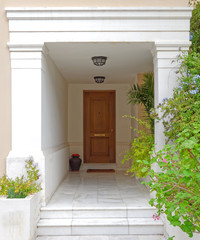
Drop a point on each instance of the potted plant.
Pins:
(75, 162)
(20, 204)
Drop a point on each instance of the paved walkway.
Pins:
(105, 194)
(100, 189)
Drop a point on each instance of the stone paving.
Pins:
(100, 189)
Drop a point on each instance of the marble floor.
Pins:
(99, 190)
(99, 206)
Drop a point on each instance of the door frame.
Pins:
(84, 122)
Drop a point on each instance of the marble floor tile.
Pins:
(94, 238)
(100, 189)
(124, 238)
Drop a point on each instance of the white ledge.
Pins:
(172, 44)
(25, 47)
(98, 8)
(99, 12)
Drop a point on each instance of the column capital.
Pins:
(170, 47)
(26, 47)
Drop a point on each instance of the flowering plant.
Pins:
(75, 155)
(177, 185)
(21, 187)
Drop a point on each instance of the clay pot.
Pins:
(75, 162)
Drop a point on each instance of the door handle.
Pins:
(99, 134)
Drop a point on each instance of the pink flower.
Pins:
(155, 217)
(164, 160)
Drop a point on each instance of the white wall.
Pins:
(177, 232)
(54, 126)
(75, 118)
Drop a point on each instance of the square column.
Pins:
(165, 78)
(38, 117)
(26, 70)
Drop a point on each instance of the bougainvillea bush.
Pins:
(177, 185)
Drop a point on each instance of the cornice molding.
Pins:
(26, 47)
(170, 46)
(100, 13)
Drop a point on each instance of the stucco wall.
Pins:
(54, 106)
(75, 117)
(176, 231)
(5, 91)
(49, 3)
(54, 126)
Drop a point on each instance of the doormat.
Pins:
(100, 170)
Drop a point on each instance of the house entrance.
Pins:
(99, 126)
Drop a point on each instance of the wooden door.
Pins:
(99, 126)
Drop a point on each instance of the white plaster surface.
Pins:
(19, 217)
(38, 116)
(87, 24)
(75, 118)
(39, 119)
(26, 76)
(54, 126)
(165, 79)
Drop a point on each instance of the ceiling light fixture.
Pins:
(99, 79)
(99, 60)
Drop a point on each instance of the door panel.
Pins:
(99, 115)
(99, 126)
(99, 146)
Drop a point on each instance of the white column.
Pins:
(165, 74)
(26, 67)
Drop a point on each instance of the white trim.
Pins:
(25, 47)
(100, 13)
(51, 150)
(95, 8)
(31, 27)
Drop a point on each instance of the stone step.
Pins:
(99, 226)
(97, 212)
(110, 237)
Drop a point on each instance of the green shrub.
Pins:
(140, 151)
(23, 186)
(144, 94)
(177, 185)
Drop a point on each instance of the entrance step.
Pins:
(99, 226)
(107, 221)
(99, 206)
(111, 237)
(97, 212)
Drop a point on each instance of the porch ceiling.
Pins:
(124, 61)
